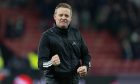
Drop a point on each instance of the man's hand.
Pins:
(55, 60)
(82, 71)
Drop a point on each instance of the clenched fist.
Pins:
(82, 71)
(55, 60)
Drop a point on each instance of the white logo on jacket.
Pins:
(73, 43)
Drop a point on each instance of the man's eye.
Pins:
(66, 15)
(61, 15)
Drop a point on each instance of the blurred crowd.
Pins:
(119, 17)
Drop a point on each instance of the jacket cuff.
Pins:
(87, 65)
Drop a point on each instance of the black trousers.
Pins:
(60, 79)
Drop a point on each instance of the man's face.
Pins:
(62, 17)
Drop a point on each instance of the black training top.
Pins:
(69, 46)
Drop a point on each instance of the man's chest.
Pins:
(64, 40)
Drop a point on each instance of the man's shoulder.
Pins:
(74, 29)
(48, 31)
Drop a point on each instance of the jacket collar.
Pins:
(61, 31)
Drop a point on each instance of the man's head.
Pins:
(63, 15)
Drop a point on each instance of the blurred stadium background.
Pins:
(111, 29)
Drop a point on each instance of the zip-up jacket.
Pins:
(70, 47)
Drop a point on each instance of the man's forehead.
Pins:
(62, 9)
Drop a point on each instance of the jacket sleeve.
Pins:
(85, 57)
(43, 51)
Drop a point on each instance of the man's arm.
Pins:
(43, 51)
(44, 60)
(85, 57)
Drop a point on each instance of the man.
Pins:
(63, 55)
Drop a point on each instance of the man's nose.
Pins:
(63, 17)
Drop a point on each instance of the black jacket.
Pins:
(69, 46)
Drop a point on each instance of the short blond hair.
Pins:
(63, 5)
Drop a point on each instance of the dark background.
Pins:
(110, 28)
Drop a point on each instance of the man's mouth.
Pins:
(63, 22)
